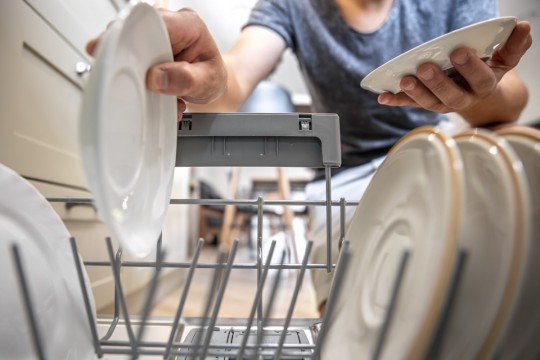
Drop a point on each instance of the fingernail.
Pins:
(409, 84)
(383, 99)
(160, 80)
(427, 75)
(461, 58)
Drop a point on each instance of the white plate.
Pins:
(128, 134)
(521, 338)
(495, 239)
(28, 220)
(413, 203)
(483, 38)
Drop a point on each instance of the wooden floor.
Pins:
(241, 289)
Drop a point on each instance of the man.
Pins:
(337, 43)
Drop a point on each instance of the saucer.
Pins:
(127, 133)
(483, 38)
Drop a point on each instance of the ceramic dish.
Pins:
(495, 239)
(413, 203)
(483, 38)
(128, 134)
(521, 339)
(28, 220)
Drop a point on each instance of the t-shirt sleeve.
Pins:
(467, 12)
(275, 15)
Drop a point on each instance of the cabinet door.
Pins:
(40, 98)
(84, 224)
(77, 20)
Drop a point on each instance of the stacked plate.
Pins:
(440, 200)
(28, 221)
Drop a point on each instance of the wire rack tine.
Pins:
(435, 347)
(116, 314)
(392, 305)
(160, 255)
(270, 304)
(332, 297)
(121, 299)
(260, 204)
(342, 204)
(25, 290)
(256, 301)
(328, 174)
(84, 292)
(209, 301)
(219, 299)
(182, 301)
(294, 300)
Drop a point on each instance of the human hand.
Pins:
(434, 90)
(198, 74)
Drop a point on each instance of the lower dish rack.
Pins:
(234, 140)
(209, 336)
(301, 140)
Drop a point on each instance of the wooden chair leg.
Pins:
(230, 210)
(284, 189)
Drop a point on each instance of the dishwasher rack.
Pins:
(301, 140)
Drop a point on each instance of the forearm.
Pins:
(231, 100)
(505, 104)
(250, 60)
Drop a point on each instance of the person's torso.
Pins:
(334, 58)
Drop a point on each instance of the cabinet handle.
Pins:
(82, 68)
(70, 205)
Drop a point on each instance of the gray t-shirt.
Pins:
(334, 58)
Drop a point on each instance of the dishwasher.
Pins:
(241, 139)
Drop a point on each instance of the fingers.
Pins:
(510, 53)
(199, 82)
(430, 89)
(91, 46)
(198, 74)
(480, 78)
(181, 107)
(434, 90)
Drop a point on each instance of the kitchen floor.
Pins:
(240, 292)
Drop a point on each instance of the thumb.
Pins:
(199, 82)
(157, 79)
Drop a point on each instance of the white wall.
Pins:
(529, 66)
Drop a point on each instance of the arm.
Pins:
(252, 58)
(492, 91)
(200, 76)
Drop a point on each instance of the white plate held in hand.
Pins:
(482, 38)
(128, 134)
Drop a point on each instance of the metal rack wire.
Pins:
(306, 140)
(202, 345)
(258, 336)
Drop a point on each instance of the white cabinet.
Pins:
(40, 99)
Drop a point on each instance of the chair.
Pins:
(268, 97)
